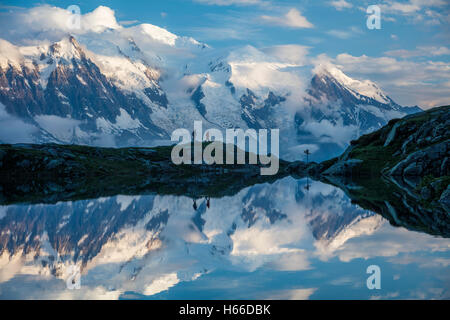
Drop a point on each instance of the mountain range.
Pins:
(134, 86)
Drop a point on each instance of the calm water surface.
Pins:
(292, 239)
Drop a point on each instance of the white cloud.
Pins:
(411, 6)
(52, 23)
(261, 75)
(341, 4)
(9, 54)
(326, 131)
(252, 68)
(405, 8)
(345, 34)
(291, 53)
(381, 244)
(432, 12)
(341, 34)
(292, 19)
(420, 52)
(161, 284)
(50, 18)
(14, 130)
(293, 294)
(128, 22)
(61, 128)
(100, 19)
(291, 261)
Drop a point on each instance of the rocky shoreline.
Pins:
(400, 171)
(412, 152)
(50, 172)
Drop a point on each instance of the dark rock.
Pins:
(54, 163)
(197, 97)
(445, 197)
(24, 164)
(425, 193)
(445, 167)
(343, 168)
(414, 169)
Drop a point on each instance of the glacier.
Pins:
(133, 86)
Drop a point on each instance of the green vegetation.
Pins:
(410, 134)
(51, 172)
(399, 171)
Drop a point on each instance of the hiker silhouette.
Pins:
(195, 205)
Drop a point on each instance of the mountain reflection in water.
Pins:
(292, 239)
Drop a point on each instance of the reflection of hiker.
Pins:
(193, 135)
(307, 155)
(195, 205)
(207, 136)
(207, 202)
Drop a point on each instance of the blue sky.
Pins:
(414, 34)
(334, 30)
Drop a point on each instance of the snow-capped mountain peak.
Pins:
(132, 85)
(157, 33)
(9, 54)
(365, 88)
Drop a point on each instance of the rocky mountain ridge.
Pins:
(133, 89)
